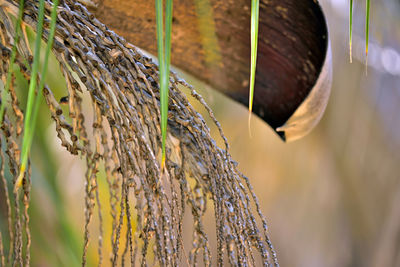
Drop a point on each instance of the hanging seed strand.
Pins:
(124, 136)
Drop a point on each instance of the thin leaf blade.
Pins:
(162, 74)
(44, 69)
(28, 131)
(254, 40)
(351, 30)
(367, 12)
(165, 78)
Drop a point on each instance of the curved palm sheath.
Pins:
(211, 40)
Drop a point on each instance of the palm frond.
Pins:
(368, 5)
(33, 103)
(164, 58)
(254, 38)
(350, 29)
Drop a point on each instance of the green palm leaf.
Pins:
(368, 5)
(164, 59)
(351, 28)
(33, 102)
(254, 38)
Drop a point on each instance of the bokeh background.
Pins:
(331, 198)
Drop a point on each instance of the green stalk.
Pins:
(44, 69)
(351, 29)
(164, 58)
(165, 91)
(12, 59)
(28, 132)
(254, 39)
(160, 48)
(368, 4)
(168, 31)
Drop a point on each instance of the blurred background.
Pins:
(331, 198)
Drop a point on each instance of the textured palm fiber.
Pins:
(123, 86)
